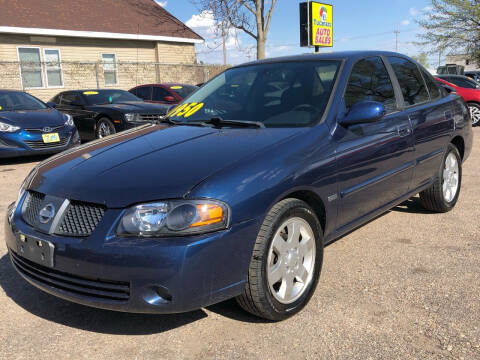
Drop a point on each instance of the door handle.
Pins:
(404, 131)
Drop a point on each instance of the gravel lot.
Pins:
(406, 285)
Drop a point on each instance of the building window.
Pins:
(30, 67)
(53, 67)
(109, 69)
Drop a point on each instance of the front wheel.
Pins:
(286, 262)
(443, 194)
(474, 113)
(104, 128)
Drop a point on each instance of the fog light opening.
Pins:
(157, 295)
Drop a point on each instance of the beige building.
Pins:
(47, 46)
(461, 60)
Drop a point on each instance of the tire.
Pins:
(104, 128)
(437, 198)
(474, 113)
(262, 297)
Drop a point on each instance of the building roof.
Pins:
(120, 19)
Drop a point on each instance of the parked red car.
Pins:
(171, 93)
(468, 89)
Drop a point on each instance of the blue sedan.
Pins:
(240, 189)
(30, 127)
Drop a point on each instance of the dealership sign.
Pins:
(316, 24)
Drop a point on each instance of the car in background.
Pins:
(30, 127)
(453, 69)
(236, 196)
(468, 89)
(168, 94)
(99, 113)
(473, 74)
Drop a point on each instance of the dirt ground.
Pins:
(406, 285)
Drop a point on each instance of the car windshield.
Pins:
(13, 101)
(285, 94)
(98, 97)
(183, 90)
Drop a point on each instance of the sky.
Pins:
(357, 25)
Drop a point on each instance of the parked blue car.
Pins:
(238, 192)
(30, 127)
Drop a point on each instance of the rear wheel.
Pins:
(286, 262)
(443, 194)
(104, 128)
(474, 113)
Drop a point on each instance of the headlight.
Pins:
(131, 117)
(173, 218)
(4, 127)
(68, 120)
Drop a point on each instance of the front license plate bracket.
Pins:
(36, 250)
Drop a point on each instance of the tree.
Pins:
(422, 59)
(253, 17)
(452, 25)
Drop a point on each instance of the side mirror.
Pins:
(51, 104)
(169, 98)
(363, 112)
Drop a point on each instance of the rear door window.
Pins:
(70, 98)
(159, 93)
(144, 92)
(369, 81)
(432, 85)
(410, 80)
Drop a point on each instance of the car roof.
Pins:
(338, 55)
(164, 84)
(452, 76)
(85, 90)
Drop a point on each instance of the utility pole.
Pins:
(224, 40)
(396, 39)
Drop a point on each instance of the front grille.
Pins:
(93, 288)
(40, 130)
(80, 219)
(151, 117)
(39, 145)
(32, 206)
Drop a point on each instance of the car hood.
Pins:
(135, 107)
(33, 119)
(149, 163)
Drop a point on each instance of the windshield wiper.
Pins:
(219, 122)
(167, 120)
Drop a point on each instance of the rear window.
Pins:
(410, 80)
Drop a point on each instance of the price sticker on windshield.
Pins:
(186, 110)
(90, 93)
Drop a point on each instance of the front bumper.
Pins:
(166, 275)
(24, 143)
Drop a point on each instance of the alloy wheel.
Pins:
(291, 260)
(450, 177)
(104, 130)
(474, 114)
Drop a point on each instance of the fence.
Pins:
(44, 80)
